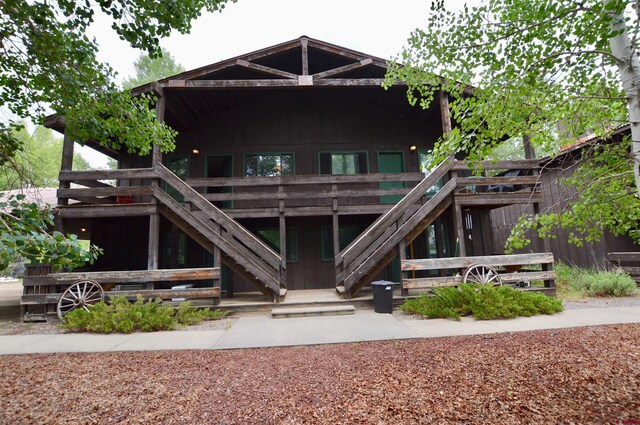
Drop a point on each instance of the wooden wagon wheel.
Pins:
(82, 294)
(482, 274)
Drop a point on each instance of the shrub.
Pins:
(482, 301)
(576, 283)
(145, 316)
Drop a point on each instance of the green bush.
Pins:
(482, 301)
(576, 283)
(140, 316)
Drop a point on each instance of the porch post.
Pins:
(444, 113)
(335, 225)
(66, 164)
(402, 255)
(154, 219)
(283, 231)
(459, 224)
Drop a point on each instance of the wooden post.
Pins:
(305, 56)
(154, 219)
(335, 225)
(402, 255)
(459, 224)
(529, 152)
(66, 164)
(445, 114)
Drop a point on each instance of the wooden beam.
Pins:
(342, 69)
(104, 211)
(622, 257)
(167, 294)
(265, 69)
(434, 282)
(140, 276)
(485, 181)
(219, 84)
(305, 56)
(127, 173)
(523, 164)
(104, 191)
(496, 198)
(464, 262)
(304, 180)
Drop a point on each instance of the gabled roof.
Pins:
(300, 62)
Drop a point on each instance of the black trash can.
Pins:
(382, 296)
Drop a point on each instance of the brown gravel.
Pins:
(581, 375)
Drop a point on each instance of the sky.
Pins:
(370, 26)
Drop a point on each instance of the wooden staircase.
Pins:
(379, 244)
(242, 251)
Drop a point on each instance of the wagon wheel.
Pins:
(82, 294)
(482, 274)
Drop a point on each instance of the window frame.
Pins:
(278, 153)
(332, 152)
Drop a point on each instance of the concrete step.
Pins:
(333, 310)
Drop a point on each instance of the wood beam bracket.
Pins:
(265, 69)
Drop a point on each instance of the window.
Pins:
(347, 233)
(271, 236)
(343, 163)
(180, 167)
(268, 165)
(423, 160)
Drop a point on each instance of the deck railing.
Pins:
(373, 193)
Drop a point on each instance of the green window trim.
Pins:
(329, 162)
(271, 237)
(259, 170)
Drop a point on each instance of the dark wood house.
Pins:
(294, 169)
(555, 197)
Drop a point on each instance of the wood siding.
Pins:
(555, 199)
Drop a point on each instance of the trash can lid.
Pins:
(382, 283)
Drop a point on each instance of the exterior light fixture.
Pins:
(83, 229)
(413, 148)
(195, 152)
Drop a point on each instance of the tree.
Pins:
(38, 164)
(536, 63)
(47, 63)
(149, 69)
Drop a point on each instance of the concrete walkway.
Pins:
(263, 331)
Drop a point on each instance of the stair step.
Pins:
(313, 311)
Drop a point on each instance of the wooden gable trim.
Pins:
(300, 81)
(342, 69)
(265, 69)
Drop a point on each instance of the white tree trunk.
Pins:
(629, 67)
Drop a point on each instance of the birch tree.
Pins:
(535, 64)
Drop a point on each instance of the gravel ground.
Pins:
(604, 302)
(582, 375)
(53, 328)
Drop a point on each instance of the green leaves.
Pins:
(534, 63)
(23, 233)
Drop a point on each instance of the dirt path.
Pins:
(583, 375)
